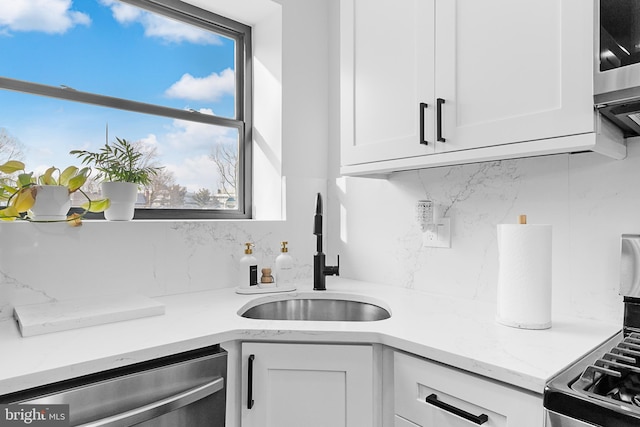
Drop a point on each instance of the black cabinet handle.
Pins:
(423, 107)
(250, 382)
(478, 419)
(439, 103)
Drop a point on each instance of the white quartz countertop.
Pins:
(458, 332)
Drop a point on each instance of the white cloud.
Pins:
(196, 173)
(174, 31)
(210, 88)
(49, 16)
(150, 143)
(193, 136)
(197, 170)
(159, 26)
(122, 12)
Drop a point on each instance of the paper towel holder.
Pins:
(524, 275)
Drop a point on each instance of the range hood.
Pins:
(621, 107)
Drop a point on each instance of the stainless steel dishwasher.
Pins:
(186, 389)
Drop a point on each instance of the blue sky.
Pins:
(110, 48)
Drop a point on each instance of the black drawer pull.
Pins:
(250, 382)
(478, 419)
(423, 107)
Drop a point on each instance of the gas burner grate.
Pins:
(616, 374)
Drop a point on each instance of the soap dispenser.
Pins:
(248, 270)
(284, 266)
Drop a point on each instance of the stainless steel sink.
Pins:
(317, 307)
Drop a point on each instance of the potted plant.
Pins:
(122, 168)
(45, 198)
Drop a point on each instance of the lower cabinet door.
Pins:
(310, 385)
(433, 395)
(401, 422)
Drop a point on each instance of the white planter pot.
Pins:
(123, 196)
(52, 203)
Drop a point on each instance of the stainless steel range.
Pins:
(603, 388)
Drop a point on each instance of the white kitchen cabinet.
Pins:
(511, 79)
(293, 385)
(513, 71)
(387, 71)
(428, 394)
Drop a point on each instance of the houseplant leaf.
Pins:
(9, 213)
(74, 220)
(96, 205)
(67, 175)
(24, 199)
(78, 180)
(47, 178)
(6, 191)
(24, 180)
(11, 166)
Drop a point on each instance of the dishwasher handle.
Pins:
(160, 407)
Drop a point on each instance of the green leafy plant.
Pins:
(20, 193)
(119, 161)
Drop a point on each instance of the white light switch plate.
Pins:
(438, 236)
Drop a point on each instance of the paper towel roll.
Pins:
(524, 276)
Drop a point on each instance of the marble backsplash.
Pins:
(52, 262)
(589, 200)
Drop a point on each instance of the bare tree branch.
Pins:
(10, 147)
(226, 160)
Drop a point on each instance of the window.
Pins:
(169, 77)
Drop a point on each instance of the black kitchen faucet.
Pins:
(320, 270)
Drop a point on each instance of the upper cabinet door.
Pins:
(513, 71)
(387, 79)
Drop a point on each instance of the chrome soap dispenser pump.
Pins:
(320, 270)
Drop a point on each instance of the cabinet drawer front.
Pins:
(431, 394)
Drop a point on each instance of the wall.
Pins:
(49, 262)
(588, 199)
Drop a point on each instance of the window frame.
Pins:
(243, 120)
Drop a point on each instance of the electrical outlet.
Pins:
(438, 236)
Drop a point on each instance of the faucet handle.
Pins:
(333, 270)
